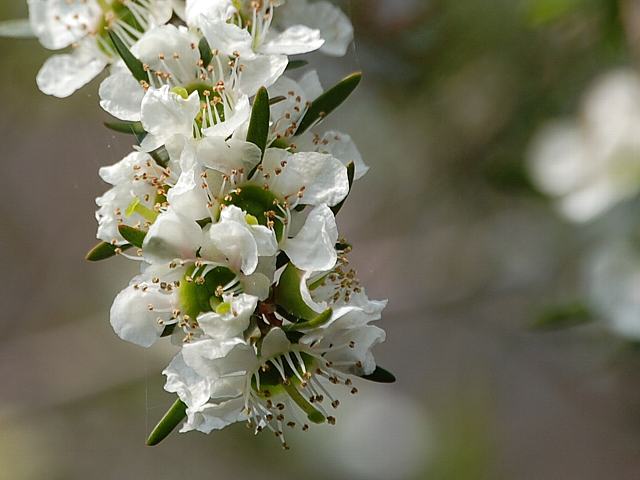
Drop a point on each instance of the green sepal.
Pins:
(289, 297)
(351, 173)
(206, 55)
(176, 414)
(560, 317)
(132, 128)
(329, 101)
(380, 375)
(295, 64)
(133, 64)
(168, 330)
(104, 250)
(319, 321)
(258, 132)
(132, 235)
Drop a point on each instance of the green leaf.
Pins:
(351, 173)
(206, 55)
(133, 64)
(320, 320)
(258, 132)
(19, 28)
(104, 250)
(176, 414)
(560, 317)
(329, 101)
(295, 64)
(132, 128)
(132, 235)
(380, 375)
(289, 297)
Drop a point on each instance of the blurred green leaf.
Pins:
(161, 156)
(133, 64)
(258, 132)
(132, 128)
(560, 317)
(326, 103)
(176, 414)
(295, 64)
(206, 55)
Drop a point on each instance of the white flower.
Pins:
(613, 285)
(139, 185)
(334, 26)
(591, 164)
(84, 25)
(273, 383)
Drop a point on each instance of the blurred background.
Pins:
(507, 368)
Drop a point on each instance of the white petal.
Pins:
(313, 249)
(226, 37)
(165, 113)
(215, 416)
(131, 318)
(294, 40)
(62, 75)
(310, 84)
(172, 236)
(121, 96)
(59, 23)
(261, 71)
(224, 156)
(233, 120)
(233, 322)
(197, 10)
(342, 147)
(275, 343)
(187, 197)
(191, 388)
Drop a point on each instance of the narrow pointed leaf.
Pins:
(19, 28)
(295, 64)
(206, 55)
(258, 132)
(329, 101)
(132, 235)
(133, 64)
(561, 317)
(133, 128)
(380, 375)
(176, 414)
(104, 250)
(320, 320)
(351, 173)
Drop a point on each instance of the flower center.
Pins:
(201, 289)
(261, 204)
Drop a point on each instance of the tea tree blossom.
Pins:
(228, 202)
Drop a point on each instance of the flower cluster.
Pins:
(228, 202)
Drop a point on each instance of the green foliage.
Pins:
(176, 414)
(132, 235)
(104, 250)
(561, 317)
(380, 375)
(258, 132)
(133, 64)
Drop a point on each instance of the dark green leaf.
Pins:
(295, 64)
(351, 173)
(560, 317)
(104, 250)
(329, 101)
(258, 132)
(206, 55)
(133, 128)
(133, 64)
(132, 235)
(380, 375)
(176, 414)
